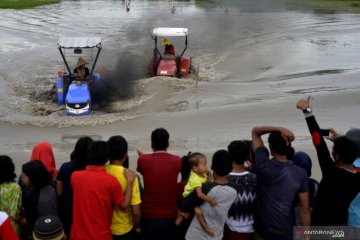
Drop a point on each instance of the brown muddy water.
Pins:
(255, 61)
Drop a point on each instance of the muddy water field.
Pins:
(255, 60)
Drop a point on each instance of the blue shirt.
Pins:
(279, 184)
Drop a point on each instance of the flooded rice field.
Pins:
(255, 61)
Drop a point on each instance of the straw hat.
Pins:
(81, 61)
(165, 42)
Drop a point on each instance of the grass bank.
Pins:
(351, 6)
(23, 4)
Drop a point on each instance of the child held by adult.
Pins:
(209, 223)
(198, 175)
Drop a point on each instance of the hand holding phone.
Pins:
(325, 132)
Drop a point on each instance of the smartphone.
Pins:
(325, 132)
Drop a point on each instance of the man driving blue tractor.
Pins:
(81, 72)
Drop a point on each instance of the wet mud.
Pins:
(255, 59)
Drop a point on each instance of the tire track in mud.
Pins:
(299, 75)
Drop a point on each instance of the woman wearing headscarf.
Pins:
(44, 153)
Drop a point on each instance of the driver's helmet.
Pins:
(165, 42)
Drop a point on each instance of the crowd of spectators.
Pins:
(251, 191)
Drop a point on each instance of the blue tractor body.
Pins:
(76, 95)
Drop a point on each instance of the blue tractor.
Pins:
(76, 93)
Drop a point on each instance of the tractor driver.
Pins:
(81, 72)
(169, 48)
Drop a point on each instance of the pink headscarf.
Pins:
(43, 152)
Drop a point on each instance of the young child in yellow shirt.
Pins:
(193, 195)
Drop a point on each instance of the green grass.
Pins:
(22, 4)
(351, 6)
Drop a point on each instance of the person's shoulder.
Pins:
(174, 156)
(233, 185)
(65, 166)
(110, 167)
(145, 158)
(262, 151)
(169, 155)
(206, 187)
(3, 217)
(79, 173)
(313, 181)
(10, 185)
(251, 175)
(296, 169)
(227, 189)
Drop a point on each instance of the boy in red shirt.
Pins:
(96, 193)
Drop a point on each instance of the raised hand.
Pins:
(302, 104)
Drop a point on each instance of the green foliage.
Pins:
(22, 4)
(352, 6)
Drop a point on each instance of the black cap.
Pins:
(49, 228)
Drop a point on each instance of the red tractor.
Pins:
(168, 63)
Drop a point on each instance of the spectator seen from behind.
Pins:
(95, 194)
(193, 195)
(44, 152)
(79, 161)
(160, 171)
(209, 223)
(10, 192)
(279, 183)
(40, 198)
(340, 181)
(240, 219)
(125, 224)
(303, 160)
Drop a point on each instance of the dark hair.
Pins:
(98, 152)
(79, 156)
(185, 167)
(7, 169)
(36, 171)
(290, 152)
(118, 147)
(194, 159)
(277, 143)
(160, 139)
(346, 149)
(239, 151)
(221, 163)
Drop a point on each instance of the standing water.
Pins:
(255, 60)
